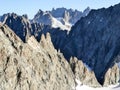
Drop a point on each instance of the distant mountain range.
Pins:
(88, 40)
(60, 17)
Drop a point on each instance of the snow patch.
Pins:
(56, 24)
(84, 87)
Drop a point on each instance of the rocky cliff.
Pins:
(112, 76)
(83, 73)
(32, 65)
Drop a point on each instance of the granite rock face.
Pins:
(32, 65)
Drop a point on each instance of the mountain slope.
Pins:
(95, 39)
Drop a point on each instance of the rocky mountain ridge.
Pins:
(19, 24)
(35, 65)
(94, 40)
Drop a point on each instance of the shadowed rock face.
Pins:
(24, 29)
(95, 39)
(58, 36)
(19, 24)
(32, 65)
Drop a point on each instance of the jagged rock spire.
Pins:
(83, 73)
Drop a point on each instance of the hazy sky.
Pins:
(31, 7)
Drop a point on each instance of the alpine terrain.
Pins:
(61, 49)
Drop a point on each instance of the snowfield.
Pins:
(84, 87)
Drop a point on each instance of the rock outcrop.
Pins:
(32, 65)
(112, 76)
(83, 73)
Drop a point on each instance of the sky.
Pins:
(31, 7)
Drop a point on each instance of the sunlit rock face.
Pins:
(83, 73)
(32, 65)
(112, 76)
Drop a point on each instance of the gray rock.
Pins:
(112, 76)
(83, 73)
(32, 65)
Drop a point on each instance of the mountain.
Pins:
(37, 65)
(60, 17)
(19, 24)
(24, 29)
(58, 36)
(47, 19)
(83, 73)
(32, 65)
(69, 15)
(95, 39)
